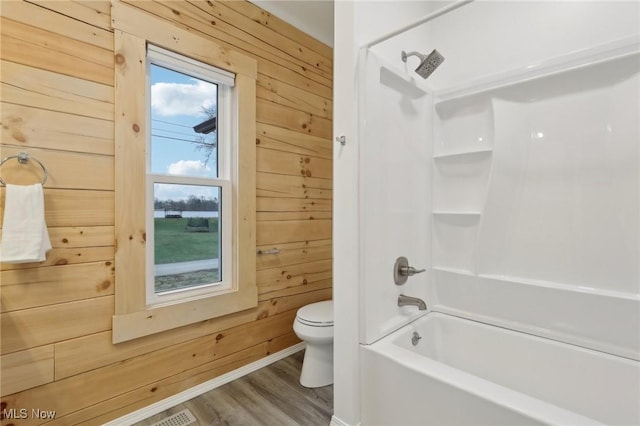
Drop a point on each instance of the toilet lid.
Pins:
(319, 314)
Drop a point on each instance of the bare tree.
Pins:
(208, 143)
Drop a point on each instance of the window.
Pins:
(184, 177)
(189, 175)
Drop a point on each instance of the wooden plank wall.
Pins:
(57, 104)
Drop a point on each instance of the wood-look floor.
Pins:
(269, 396)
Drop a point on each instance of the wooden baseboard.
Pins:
(195, 391)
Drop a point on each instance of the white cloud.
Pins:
(165, 191)
(169, 99)
(188, 168)
(196, 168)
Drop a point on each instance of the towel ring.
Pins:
(23, 158)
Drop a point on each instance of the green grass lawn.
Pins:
(173, 243)
(186, 280)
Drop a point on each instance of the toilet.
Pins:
(314, 325)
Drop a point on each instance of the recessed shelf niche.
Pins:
(460, 181)
(463, 126)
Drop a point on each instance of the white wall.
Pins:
(394, 192)
(345, 223)
(355, 24)
(488, 36)
(548, 218)
(493, 36)
(314, 17)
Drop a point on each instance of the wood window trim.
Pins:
(132, 30)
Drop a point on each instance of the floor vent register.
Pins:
(182, 418)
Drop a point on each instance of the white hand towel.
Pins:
(24, 232)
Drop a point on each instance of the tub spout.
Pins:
(411, 301)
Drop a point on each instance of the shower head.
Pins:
(428, 63)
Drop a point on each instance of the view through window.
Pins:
(184, 170)
(185, 177)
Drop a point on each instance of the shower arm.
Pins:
(405, 55)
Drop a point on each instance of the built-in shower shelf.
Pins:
(456, 213)
(576, 61)
(464, 154)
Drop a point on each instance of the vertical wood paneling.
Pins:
(85, 353)
(277, 25)
(292, 47)
(278, 185)
(189, 16)
(67, 256)
(293, 119)
(104, 383)
(285, 140)
(40, 88)
(58, 23)
(33, 327)
(94, 13)
(294, 253)
(39, 128)
(279, 162)
(293, 230)
(81, 236)
(26, 369)
(66, 170)
(298, 289)
(273, 279)
(38, 48)
(130, 53)
(72, 207)
(23, 289)
(138, 398)
(59, 76)
(266, 203)
(286, 94)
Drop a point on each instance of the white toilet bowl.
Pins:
(314, 325)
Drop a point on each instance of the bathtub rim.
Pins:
(503, 396)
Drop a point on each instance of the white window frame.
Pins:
(133, 318)
(226, 141)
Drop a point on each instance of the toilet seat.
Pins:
(319, 314)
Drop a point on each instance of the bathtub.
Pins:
(463, 372)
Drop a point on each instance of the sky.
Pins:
(177, 103)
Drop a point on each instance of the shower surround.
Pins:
(512, 175)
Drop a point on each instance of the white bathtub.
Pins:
(468, 373)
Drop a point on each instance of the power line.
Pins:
(173, 124)
(180, 139)
(171, 131)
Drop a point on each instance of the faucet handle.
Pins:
(402, 270)
(410, 270)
